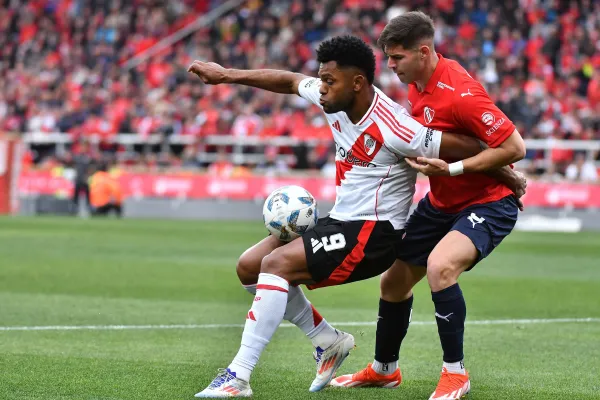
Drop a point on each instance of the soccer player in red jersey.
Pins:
(459, 222)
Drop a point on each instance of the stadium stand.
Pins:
(62, 70)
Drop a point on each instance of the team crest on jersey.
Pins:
(370, 144)
(429, 113)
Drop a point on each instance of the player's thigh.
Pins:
(484, 226)
(425, 227)
(476, 232)
(288, 262)
(344, 252)
(397, 282)
(248, 266)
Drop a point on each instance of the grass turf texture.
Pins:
(66, 272)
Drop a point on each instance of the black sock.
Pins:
(392, 324)
(450, 315)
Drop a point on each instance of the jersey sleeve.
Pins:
(409, 138)
(474, 111)
(309, 89)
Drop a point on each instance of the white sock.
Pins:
(261, 323)
(455, 368)
(384, 368)
(301, 313)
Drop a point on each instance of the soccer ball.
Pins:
(289, 212)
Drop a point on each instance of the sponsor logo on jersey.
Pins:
(310, 83)
(443, 85)
(494, 128)
(350, 158)
(488, 118)
(428, 137)
(429, 113)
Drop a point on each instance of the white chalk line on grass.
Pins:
(284, 325)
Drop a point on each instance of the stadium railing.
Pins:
(242, 154)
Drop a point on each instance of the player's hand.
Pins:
(429, 166)
(520, 188)
(211, 73)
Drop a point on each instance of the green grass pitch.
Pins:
(65, 272)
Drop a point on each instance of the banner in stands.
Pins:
(193, 186)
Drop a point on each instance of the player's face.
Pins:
(337, 89)
(407, 64)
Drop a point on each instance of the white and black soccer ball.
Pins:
(289, 212)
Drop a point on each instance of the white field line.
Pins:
(284, 325)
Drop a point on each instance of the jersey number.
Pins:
(333, 242)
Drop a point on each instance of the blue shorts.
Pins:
(485, 224)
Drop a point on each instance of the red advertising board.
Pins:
(193, 186)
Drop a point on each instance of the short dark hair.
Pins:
(348, 51)
(407, 30)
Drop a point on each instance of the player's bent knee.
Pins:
(275, 263)
(247, 269)
(441, 273)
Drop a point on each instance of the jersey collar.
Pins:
(369, 111)
(437, 73)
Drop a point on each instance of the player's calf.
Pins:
(299, 311)
(397, 282)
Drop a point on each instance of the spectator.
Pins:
(83, 163)
(582, 170)
(62, 64)
(106, 194)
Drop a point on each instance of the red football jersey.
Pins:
(455, 102)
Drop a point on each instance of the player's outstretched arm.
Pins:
(273, 80)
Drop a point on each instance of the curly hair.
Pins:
(348, 51)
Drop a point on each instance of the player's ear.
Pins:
(359, 82)
(424, 51)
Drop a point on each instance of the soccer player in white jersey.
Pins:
(375, 187)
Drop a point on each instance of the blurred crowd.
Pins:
(63, 68)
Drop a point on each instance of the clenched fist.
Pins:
(210, 72)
